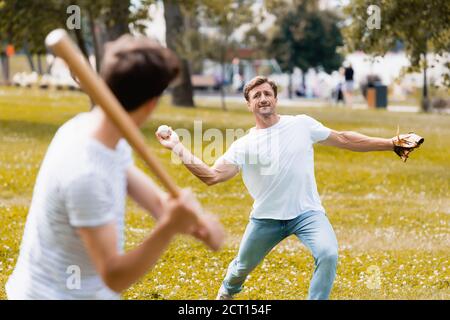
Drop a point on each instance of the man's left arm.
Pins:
(355, 141)
(145, 192)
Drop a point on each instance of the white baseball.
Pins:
(163, 131)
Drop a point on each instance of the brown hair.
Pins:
(257, 81)
(137, 69)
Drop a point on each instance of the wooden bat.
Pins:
(60, 43)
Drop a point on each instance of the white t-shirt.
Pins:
(81, 183)
(277, 165)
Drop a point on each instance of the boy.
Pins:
(72, 247)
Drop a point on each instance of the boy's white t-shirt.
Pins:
(277, 165)
(81, 183)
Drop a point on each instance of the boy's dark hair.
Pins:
(138, 69)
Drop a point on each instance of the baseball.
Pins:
(164, 131)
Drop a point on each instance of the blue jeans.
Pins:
(261, 235)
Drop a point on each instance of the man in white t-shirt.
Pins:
(73, 243)
(276, 159)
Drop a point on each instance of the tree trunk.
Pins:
(4, 59)
(48, 66)
(222, 87)
(39, 64)
(183, 93)
(304, 83)
(29, 57)
(81, 43)
(5, 67)
(95, 40)
(290, 85)
(425, 99)
(119, 18)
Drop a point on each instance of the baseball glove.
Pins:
(404, 144)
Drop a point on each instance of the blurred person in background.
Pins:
(348, 84)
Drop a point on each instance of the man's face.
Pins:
(262, 100)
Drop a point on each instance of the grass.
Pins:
(391, 218)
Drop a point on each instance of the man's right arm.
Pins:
(219, 172)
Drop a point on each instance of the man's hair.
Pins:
(257, 81)
(138, 69)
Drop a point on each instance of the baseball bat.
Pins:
(60, 43)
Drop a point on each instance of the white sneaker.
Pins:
(223, 294)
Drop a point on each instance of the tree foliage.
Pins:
(421, 26)
(186, 23)
(31, 20)
(27, 22)
(306, 37)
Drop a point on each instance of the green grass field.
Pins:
(391, 218)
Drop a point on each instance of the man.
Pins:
(72, 247)
(348, 84)
(277, 163)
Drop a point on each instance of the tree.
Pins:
(182, 93)
(183, 23)
(184, 35)
(25, 25)
(422, 27)
(116, 17)
(107, 20)
(306, 37)
(225, 16)
(102, 21)
(258, 42)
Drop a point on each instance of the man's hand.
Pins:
(169, 142)
(404, 144)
